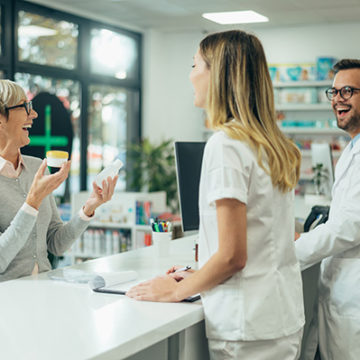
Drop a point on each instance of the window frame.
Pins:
(10, 64)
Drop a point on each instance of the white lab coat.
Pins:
(264, 300)
(337, 242)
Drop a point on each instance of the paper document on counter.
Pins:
(113, 280)
(112, 286)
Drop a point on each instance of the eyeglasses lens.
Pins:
(330, 93)
(28, 107)
(346, 92)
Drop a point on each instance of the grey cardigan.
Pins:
(24, 238)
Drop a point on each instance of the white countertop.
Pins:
(44, 319)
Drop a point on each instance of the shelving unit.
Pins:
(302, 107)
(311, 119)
(303, 83)
(312, 131)
(306, 122)
(116, 227)
(304, 96)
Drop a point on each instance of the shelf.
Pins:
(303, 107)
(307, 153)
(319, 83)
(306, 176)
(88, 256)
(142, 227)
(92, 255)
(109, 225)
(312, 131)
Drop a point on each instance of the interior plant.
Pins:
(151, 167)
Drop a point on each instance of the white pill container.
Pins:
(55, 158)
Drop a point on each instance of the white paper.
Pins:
(111, 279)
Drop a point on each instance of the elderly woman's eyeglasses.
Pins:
(27, 105)
(345, 92)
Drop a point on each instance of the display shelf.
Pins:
(110, 225)
(305, 103)
(307, 83)
(306, 176)
(307, 153)
(312, 130)
(116, 227)
(303, 107)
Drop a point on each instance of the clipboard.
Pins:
(120, 289)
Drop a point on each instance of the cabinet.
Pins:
(304, 103)
(305, 115)
(121, 224)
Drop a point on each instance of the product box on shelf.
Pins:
(324, 68)
(297, 96)
(143, 212)
(101, 242)
(122, 224)
(292, 72)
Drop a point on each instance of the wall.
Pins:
(168, 110)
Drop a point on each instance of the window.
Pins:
(101, 91)
(46, 41)
(113, 54)
(110, 117)
(68, 92)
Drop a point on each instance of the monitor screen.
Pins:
(188, 157)
(321, 154)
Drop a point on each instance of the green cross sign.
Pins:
(47, 140)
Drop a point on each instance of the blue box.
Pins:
(324, 68)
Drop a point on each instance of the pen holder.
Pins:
(161, 242)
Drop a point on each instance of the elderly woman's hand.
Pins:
(100, 195)
(43, 185)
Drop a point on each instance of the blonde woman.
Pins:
(30, 224)
(249, 277)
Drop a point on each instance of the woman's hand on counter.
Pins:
(297, 235)
(161, 288)
(99, 195)
(179, 275)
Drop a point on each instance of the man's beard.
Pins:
(351, 125)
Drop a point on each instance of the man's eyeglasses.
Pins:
(27, 105)
(345, 92)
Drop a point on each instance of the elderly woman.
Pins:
(30, 224)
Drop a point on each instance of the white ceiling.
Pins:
(185, 15)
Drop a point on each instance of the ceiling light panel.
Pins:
(235, 17)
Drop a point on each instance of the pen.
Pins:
(186, 268)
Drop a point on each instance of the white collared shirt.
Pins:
(264, 300)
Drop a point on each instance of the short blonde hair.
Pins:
(10, 95)
(240, 101)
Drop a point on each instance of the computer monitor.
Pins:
(321, 154)
(188, 157)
